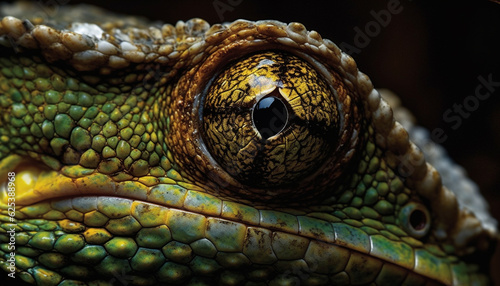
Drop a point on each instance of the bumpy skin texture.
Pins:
(110, 131)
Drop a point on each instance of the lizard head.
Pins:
(235, 153)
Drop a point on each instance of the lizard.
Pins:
(243, 153)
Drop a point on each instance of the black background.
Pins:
(430, 54)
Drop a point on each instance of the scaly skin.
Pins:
(136, 158)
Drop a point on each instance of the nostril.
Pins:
(418, 220)
(415, 219)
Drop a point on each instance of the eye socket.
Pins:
(415, 219)
(270, 119)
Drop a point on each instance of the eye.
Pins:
(415, 219)
(270, 119)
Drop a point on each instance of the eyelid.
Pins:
(199, 165)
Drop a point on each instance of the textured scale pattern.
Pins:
(108, 128)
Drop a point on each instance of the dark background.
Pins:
(430, 54)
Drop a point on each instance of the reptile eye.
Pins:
(270, 119)
(415, 219)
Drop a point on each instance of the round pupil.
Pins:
(270, 116)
